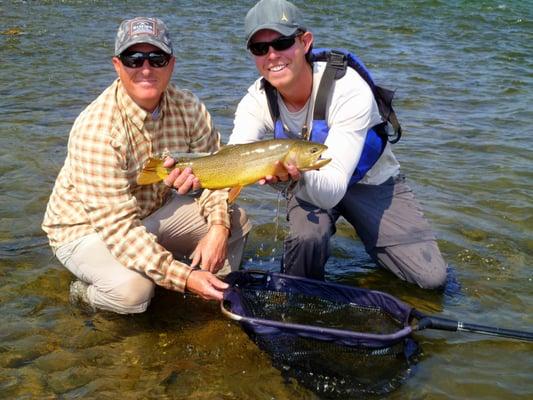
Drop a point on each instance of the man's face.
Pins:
(282, 67)
(145, 84)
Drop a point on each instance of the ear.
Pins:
(307, 39)
(117, 64)
(172, 64)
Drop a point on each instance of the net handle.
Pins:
(228, 313)
(443, 324)
(255, 273)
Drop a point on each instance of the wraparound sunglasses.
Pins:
(279, 44)
(135, 59)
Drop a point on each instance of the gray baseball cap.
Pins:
(143, 30)
(277, 15)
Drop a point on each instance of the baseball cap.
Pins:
(143, 30)
(279, 15)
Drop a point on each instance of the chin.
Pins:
(278, 81)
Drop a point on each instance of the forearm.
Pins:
(135, 248)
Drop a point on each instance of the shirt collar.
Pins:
(132, 110)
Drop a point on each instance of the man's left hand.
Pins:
(211, 251)
(182, 180)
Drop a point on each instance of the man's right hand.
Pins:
(183, 181)
(284, 172)
(206, 285)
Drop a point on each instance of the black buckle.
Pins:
(337, 60)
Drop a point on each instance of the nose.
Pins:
(272, 52)
(145, 66)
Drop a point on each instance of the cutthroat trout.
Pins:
(238, 165)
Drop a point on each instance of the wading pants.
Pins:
(388, 220)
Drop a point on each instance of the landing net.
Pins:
(334, 339)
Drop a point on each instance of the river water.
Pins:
(463, 75)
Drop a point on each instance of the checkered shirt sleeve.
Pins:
(96, 190)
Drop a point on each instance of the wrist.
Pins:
(220, 229)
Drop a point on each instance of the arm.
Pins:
(99, 171)
(352, 112)
(252, 119)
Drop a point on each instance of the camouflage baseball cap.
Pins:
(143, 30)
(279, 15)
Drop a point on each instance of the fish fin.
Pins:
(234, 193)
(153, 172)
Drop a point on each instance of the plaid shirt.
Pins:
(96, 190)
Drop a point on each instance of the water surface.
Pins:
(463, 75)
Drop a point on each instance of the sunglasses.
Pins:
(135, 59)
(279, 44)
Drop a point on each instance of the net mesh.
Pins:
(297, 308)
(338, 371)
(279, 312)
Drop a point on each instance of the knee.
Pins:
(435, 278)
(134, 294)
(418, 263)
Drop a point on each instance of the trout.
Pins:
(238, 165)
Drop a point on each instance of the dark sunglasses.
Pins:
(279, 44)
(135, 59)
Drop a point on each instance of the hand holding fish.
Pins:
(289, 171)
(238, 165)
(183, 180)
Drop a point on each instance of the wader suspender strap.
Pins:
(272, 98)
(335, 69)
(384, 99)
(336, 64)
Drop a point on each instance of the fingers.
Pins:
(212, 265)
(284, 172)
(293, 171)
(169, 162)
(206, 285)
(196, 257)
(268, 179)
(218, 284)
(183, 181)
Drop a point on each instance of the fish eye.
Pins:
(314, 150)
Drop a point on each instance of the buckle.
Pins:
(337, 60)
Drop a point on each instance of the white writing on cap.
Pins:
(140, 27)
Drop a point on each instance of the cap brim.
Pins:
(143, 39)
(283, 29)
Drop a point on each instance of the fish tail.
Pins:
(153, 172)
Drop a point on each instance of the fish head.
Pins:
(307, 155)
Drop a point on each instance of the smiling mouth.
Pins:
(277, 68)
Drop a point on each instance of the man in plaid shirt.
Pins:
(119, 238)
